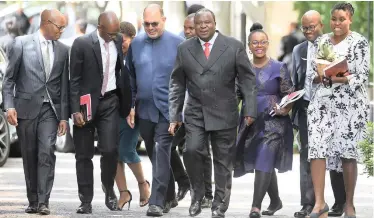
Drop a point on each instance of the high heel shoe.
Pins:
(144, 199)
(324, 211)
(129, 201)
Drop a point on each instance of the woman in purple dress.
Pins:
(267, 143)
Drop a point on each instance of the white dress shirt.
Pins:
(42, 41)
(307, 85)
(112, 65)
(211, 42)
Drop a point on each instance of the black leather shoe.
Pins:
(85, 208)
(195, 208)
(206, 203)
(154, 210)
(43, 209)
(170, 204)
(32, 208)
(305, 211)
(110, 198)
(218, 214)
(336, 210)
(272, 208)
(182, 191)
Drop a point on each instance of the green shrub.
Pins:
(367, 147)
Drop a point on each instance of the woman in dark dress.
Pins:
(267, 143)
(128, 140)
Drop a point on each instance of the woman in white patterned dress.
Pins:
(337, 115)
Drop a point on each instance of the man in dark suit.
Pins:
(97, 69)
(208, 66)
(179, 139)
(35, 93)
(301, 62)
(150, 58)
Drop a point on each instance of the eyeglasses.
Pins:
(153, 24)
(61, 28)
(305, 29)
(112, 35)
(257, 43)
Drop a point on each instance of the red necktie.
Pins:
(206, 50)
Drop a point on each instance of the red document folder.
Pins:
(339, 66)
(85, 107)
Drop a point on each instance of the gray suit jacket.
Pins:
(25, 82)
(299, 62)
(212, 100)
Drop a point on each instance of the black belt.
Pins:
(108, 94)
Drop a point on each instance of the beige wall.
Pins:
(278, 16)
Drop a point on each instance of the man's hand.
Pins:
(78, 119)
(173, 126)
(249, 120)
(131, 118)
(62, 128)
(12, 117)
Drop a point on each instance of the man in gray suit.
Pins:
(35, 93)
(208, 67)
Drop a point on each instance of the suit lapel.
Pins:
(197, 52)
(39, 54)
(303, 62)
(97, 52)
(56, 52)
(118, 43)
(218, 48)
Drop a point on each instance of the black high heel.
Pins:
(129, 201)
(144, 199)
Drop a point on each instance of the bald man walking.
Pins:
(97, 70)
(35, 93)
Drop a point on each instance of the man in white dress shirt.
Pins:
(97, 69)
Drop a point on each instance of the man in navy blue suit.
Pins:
(150, 60)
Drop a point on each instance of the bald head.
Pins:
(107, 17)
(52, 24)
(312, 14)
(311, 25)
(108, 26)
(154, 8)
(53, 15)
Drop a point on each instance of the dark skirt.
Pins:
(265, 145)
(128, 142)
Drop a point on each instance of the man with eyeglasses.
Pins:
(35, 93)
(151, 58)
(97, 70)
(302, 56)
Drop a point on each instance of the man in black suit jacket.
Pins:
(97, 69)
(301, 62)
(35, 93)
(208, 65)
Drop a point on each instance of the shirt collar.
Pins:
(310, 44)
(42, 39)
(211, 41)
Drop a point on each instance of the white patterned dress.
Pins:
(337, 116)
